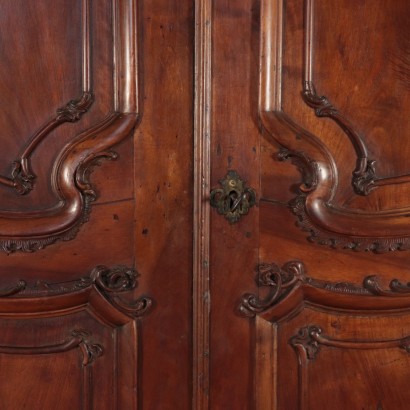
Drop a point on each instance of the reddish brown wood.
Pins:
(56, 318)
(234, 247)
(120, 288)
(68, 177)
(350, 195)
(164, 211)
(201, 217)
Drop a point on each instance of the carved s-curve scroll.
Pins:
(280, 281)
(71, 169)
(22, 178)
(327, 223)
(311, 338)
(363, 180)
(112, 281)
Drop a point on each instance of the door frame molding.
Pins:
(201, 208)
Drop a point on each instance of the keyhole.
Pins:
(233, 200)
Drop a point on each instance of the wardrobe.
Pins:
(204, 204)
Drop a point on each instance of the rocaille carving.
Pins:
(297, 205)
(307, 167)
(328, 222)
(108, 281)
(282, 280)
(308, 340)
(364, 178)
(22, 178)
(90, 350)
(364, 175)
(74, 109)
(70, 176)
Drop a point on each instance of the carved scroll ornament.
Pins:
(71, 169)
(290, 286)
(317, 213)
(108, 282)
(78, 339)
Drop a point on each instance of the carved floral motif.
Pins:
(364, 175)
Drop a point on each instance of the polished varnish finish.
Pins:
(244, 243)
(96, 204)
(331, 317)
(310, 103)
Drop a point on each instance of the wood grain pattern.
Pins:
(201, 216)
(338, 303)
(163, 186)
(88, 303)
(321, 211)
(235, 146)
(69, 180)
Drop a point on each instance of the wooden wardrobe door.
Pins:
(309, 301)
(95, 262)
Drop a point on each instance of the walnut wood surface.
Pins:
(70, 341)
(332, 96)
(120, 288)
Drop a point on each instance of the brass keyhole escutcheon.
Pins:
(234, 199)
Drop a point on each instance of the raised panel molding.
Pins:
(28, 232)
(23, 178)
(98, 321)
(308, 342)
(106, 282)
(78, 339)
(291, 293)
(327, 222)
(289, 287)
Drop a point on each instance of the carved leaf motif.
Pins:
(90, 350)
(74, 109)
(307, 338)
